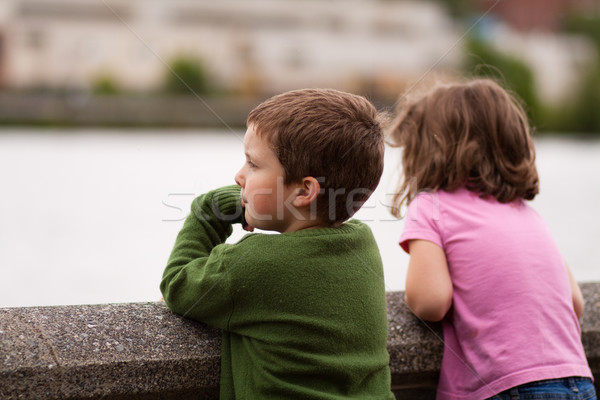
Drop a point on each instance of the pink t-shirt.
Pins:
(512, 319)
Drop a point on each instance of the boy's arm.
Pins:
(428, 283)
(194, 283)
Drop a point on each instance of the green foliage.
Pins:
(484, 60)
(582, 113)
(587, 25)
(457, 8)
(105, 85)
(186, 76)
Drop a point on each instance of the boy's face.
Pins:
(266, 200)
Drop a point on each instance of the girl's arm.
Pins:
(578, 303)
(428, 284)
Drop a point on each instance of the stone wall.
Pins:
(143, 351)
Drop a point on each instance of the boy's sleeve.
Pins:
(195, 282)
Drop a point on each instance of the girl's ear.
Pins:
(307, 191)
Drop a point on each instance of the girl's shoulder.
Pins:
(463, 202)
(463, 195)
(460, 195)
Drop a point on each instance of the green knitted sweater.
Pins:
(303, 313)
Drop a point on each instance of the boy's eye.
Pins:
(251, 164)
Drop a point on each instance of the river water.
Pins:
(90, 216)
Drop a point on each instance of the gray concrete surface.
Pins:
(143, 351)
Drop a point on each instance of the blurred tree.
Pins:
(186, 75)
(483, 60)
(458, 8)
(582, 114)
(587, 25)
(105, 84)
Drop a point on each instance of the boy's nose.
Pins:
(239, 178)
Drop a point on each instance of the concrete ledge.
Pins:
(104, 350)
(143, 351)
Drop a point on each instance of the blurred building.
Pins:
(259, 45)
(531, 31)
(536, 15)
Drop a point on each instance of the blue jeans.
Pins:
(573, 388)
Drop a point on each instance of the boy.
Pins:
(303, 313)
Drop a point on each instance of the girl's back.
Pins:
(512, 319)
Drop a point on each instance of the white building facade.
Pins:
(265, 45)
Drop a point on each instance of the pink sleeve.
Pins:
(422, 220)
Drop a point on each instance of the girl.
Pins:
(481, 259)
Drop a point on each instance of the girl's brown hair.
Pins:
(474, 135)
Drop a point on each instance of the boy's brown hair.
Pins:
(333, 136)
(472, 134)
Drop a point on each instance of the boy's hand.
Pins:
(245, 225)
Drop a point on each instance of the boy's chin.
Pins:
(257, 223)
(272, 226)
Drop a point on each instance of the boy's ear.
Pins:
(307, 191)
